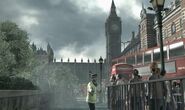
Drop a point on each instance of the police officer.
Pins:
(91, 92)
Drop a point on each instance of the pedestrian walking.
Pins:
(136, 92)
(91, 92)
(176, 95)
(170, 104)
(157, 90)
(119, 79)
(112, 91)
(113, 79)
(120, 92)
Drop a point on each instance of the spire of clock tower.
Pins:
(113, 9)
(113, 28)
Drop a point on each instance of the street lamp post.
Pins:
(158, 7)
(101, 62)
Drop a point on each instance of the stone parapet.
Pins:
(23, 100)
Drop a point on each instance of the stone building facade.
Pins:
(83, 69)
(147, 32)
(173, 28)
(145, 37)
(80, 69)
(113, 34)
(113, 29)
(173, 22)
(134, 44)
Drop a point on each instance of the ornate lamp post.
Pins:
(101, 62)
(158, 7)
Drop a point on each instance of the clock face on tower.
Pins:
(114, 27)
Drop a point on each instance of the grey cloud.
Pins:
(65, 23)
(129, 24)
(8, 10)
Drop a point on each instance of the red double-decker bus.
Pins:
(174, 55)
(125, 70)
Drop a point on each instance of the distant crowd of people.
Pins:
(137, 95)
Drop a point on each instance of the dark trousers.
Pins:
(91, 106)
(136, 103)
(156, 104)
(120, 104)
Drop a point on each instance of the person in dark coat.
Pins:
(136, 91)
(157, 90)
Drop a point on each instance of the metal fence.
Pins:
(162, 94)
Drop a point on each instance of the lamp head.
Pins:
(101, 60)
(157, 4)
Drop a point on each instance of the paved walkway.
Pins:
(98, 107)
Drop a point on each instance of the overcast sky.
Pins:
(74, 28)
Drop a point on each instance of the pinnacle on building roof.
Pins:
(48, 46)
(143, 6)
(143, 11)
(113, 9)
(113, 5)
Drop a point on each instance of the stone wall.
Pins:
(23, 100)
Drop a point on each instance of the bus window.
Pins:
(178, 51)
(165, 54)
(139, 59)
(156, 56)
(144, 70)
(131, 60)
(147, 58)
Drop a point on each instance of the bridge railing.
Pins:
(23, 100)
(162, 94)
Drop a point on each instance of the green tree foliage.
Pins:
(15, 83)
(34, 48)
(6, 57)
(15, 51)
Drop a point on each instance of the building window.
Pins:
(156, 56)
(157, 34)
(173, 28)
(180, 22)
(165, 34)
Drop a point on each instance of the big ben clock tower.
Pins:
(113, 35)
